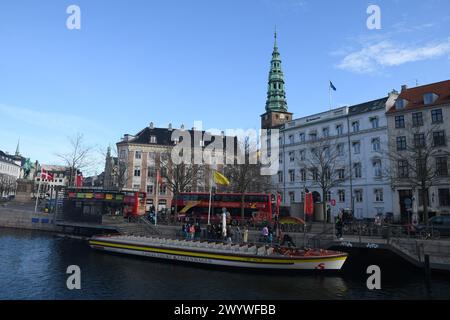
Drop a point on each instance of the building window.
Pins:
(291, 139)
(313, 136)
(417, 119)
(325, 132)
(340, 149)
(138, 155)
(163, 189)
(136, 186)
(441, 166)
(376, 144)
(436, 116)
(137, 171)
(341, 195)
(292, 156)
(355, 126)
(400, 122)
(151, 156)
(403, 169)
(302, 137)
(315, 174)
(419, 140)
(439, 138)
(444, 197)
(292, 175)
(302, 155)
(280, 157)
(379, 197)
(377, 172)
(292, 196)
(358, 170)
(123, 154)
(339, 129)
(152, 139)
(150, 189)
(341, 174)
(356, 147)
(374, 122)
(400, 104)
(429, 98)
(302, 196)
(401, 143)
(358, 195)
(303, 174)
(280, 176)
(150, 172)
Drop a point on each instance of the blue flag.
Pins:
(332, 86)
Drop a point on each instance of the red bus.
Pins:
(258, 207)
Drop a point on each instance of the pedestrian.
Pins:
(183, 230)
(198, 231)
(265, 233)
(339, 225)
(245, 239)
(286, 239)
(191, 232)
(229, 234)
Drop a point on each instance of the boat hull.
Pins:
(334, 262)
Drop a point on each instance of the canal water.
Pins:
(33, 266)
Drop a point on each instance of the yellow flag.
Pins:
(220, 179)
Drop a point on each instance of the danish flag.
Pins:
(45, 175)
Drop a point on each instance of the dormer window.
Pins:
(152, 139)
(430, 98)
(401, 104)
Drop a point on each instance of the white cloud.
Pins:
(373, 57)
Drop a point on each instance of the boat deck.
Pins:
(216, 247)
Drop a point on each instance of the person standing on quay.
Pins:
(245, 238)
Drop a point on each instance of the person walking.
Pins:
(265, 233)
(339, 225)
(191, 232)
(229, 234)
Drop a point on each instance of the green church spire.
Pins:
(276, 96)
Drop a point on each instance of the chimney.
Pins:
(404, 87)
(182, 127)
(170, 126)
(151, 125)
(126, 137)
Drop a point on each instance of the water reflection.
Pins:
(33, 266)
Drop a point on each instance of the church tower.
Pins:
(276, 105)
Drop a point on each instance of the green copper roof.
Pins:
(276, 96)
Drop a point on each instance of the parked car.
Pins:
(438, 226)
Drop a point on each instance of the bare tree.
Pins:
(178, 177)
(7, 184)
(78, 158)
(413, 160)
(245, 178)
(324, 168)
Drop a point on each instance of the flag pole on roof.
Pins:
(331, 88)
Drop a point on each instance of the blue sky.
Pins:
(135, 62)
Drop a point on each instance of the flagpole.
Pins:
(209, 205)
(38, 192)
(329, 90)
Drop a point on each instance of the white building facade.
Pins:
(358, 135)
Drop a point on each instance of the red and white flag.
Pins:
(45, 175)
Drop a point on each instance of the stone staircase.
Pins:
(140, 228)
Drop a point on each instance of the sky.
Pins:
(178, 61)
